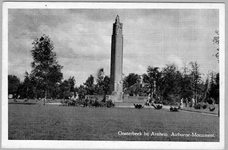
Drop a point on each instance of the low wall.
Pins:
(99, 97)
(135, 99)
(126, 98)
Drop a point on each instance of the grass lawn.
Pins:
(52, 122)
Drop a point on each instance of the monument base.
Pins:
(129, 101)
(116, 96)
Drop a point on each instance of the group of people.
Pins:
(188, 103)
(70, 101)
(157, 103)
(151, 102)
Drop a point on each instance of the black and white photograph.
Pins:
(113, 75)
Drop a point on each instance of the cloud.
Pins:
(131, 66)
(82, 38)
(176, 60)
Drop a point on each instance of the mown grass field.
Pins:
(53, 122)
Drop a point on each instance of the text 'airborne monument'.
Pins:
(117, 60)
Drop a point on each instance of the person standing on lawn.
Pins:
(181, 103)
(186, 102)
(193, 102)
(77, 97)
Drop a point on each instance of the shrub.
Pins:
(96, 103)
(197, 106)
(173, 109)
(88, 103)
(211, 108)
(210, 101)
(158, 102)
(109, 104)
(138, 106)
(204, 106)
(165, 102)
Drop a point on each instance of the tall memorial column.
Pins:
(117, 61)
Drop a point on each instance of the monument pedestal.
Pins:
(116, 97)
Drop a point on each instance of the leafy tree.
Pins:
(55, 91)
(26, 88)
(186, 89)
(171, 78)
(21, 91)
(27, 84)
(13, 84)
(106, 85)
(103, 83)
(100, 79)
(45, 66)
(216, 41)
(206, 90)
(214, 87)
(196, 79)
(100, 75)
(89, 85)
(185, 84)
(131, 79)
(135, 89)
(72, 82)
(132, 84)
(153, 80)
(38, 87)
(81, 91)
(67, 88)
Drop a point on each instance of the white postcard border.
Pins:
(109, 144)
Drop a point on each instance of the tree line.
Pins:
(169, 84)
(46, 79)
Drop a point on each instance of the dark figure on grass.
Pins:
(138, 106)
(86, 102)
(96, 103)
(44, 100)
(211, 103)
(157, 106)
(175, 108)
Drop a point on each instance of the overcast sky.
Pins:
(82, 38)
